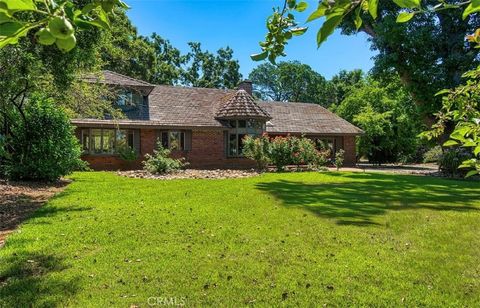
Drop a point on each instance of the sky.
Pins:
(240, 24)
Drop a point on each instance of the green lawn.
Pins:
(277, 239)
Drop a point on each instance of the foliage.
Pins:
(341, 84)
(257, 149)
(127, 153)
(289, 82)
(433, 155)
(428, 53)
(100, 232)
(160, 162)
(42, 144)
(55, 23)
(339, 159)
(387, 115)
(207, 70)
(461, 106)
(284, 151)
(451, 159)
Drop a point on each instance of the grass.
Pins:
(279, 239)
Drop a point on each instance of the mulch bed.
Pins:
(191, 174)
(18, 200)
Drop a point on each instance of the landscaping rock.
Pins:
(191, 174)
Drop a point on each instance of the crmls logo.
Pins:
(166, 301)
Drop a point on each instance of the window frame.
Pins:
(240, 127)
(182, 137)
(129, 136)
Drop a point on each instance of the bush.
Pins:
(339, 159)
(451, 159)
(42, 145)
(160, 162)
(283, 151)
(257, 149)
(127, 153)
(433, 155)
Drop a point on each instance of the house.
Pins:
(206, 126)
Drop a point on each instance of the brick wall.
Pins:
(207, 152)
(350, 151)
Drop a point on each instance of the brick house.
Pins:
(206, 126)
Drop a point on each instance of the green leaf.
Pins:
(259, 56)
(4, 18)
(299, 31)
(358, 20)
(10, 28)
(373, 8)
(13, 39)
(441, 92)
(302, 6)
(473, 7)
(450, 143)
(20, 5)
(320, 12)
(405, 16)
(328, 27)
(471, 172)
(476, 151)
(408, 4)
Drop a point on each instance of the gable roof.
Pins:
(183, 107)
(241, 105)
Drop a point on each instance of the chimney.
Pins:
(247, 86)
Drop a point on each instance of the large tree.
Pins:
(208, 70)
(289, 82)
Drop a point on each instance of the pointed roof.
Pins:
(241, 105)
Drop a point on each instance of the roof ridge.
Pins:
(128, 77)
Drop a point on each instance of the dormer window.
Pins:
(128, 99)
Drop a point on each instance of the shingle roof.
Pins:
(241, 105)
(305, 118)
(171, 106)
(112, 78)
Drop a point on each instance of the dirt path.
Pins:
(18, 200)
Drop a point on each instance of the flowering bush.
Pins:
(283, 151)
(339, 159)
(258, 149)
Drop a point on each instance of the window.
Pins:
(238, 130)
(173, 140)
(106, 141)
(127, 100)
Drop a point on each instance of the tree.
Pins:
(341, 84)
(428, 53)
(204, 69)
(289, 82)
(388, 116)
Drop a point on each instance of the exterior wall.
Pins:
(349, 146)
(207, 152)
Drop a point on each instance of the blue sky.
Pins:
(240, 24)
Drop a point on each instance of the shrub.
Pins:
(257, 149)
(433, 155)
(339, 159)
(160, 162)
(451, 159)
(281, 152)
(127, 153)
(42, 145)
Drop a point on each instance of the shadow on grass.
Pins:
(33, 280)
(358, 198)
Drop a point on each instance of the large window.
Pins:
(173, 140)
(106, 141)
(238, 130)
